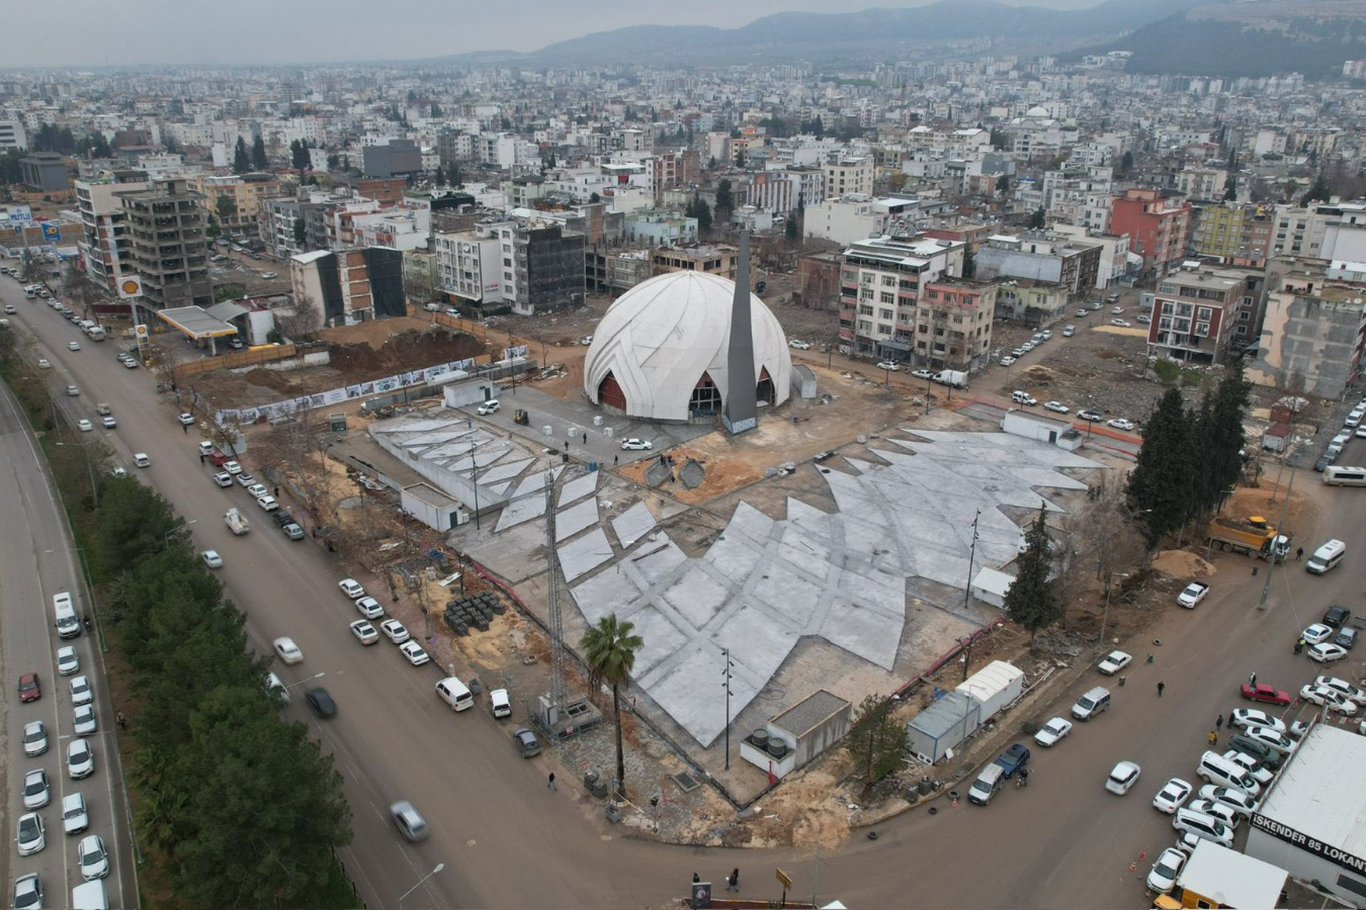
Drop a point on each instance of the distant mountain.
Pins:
(872, 33)
(1247, 39)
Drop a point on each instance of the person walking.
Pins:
(122, 722)
(277, 492)
(1299, 554)
(733, 881)
(1252, 678)
(1219, 724)
(201, 457)
(585, 439)
(185, 428)
(1160, 687)
(550, 783)
(1213, 739)
(616, 460)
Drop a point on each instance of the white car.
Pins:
(37, 793)
(413, 651)
(351, 588)
(799, 345)
(394, 631)
(1117, 310)
(28, 892)
(75, 817)
(364, 632)
(634, 444)
(73, 345)
(1053, 731)
(499, 703)
(1119, 423)
(1172, 795)
(1122, 323)
(268, 503)
(233, 468)
(1194, 593)
(81, 693)
(1027, 346)
(1258, 771)
(186, 418)
(31, 838)
(1251, 717)
(1165, 871)
(586, 340)
(1272, 737)
(80, 759)
(1331, 699)
(212, 559)
(1213, 809)
(269, 275)
(1317, 632)
(1091, 416)
(1237, 800)
(84, 425)
(67, 661)
(223, 479)
(930, 374)
(1326, 653)
(289, 652)
(1083, 312)
(1069, 331)
(889, 365)
(109, 422)
(244, 480)
(44, 363)
(1342, 686)
(257, 490)
(1056, 406)
(205, 448)
(1122, 778)
(1005, 362)
(1114, 662)
(488, 407)
(369, 607)
(83, 719)
(94, 862)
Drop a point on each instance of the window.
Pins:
(889, 281)
(886, 314)
(887, 297)
(865, 309)
(1202, 328)
(865, 293)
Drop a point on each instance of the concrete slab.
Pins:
(519, 511)
(633, 524)
(611, 591)
(581, 556)
(579, 487)
(574, 519)
(535, 483)
(697, 596)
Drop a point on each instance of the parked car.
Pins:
(1165, 871)
(37, 792)
(1266, 694)
(1090, 416)
(30, 688)
(1251, 717)
(1327, 653)
(1014, 758)
(889, 365)
(1194, 593)
(414, 652)
(1005, 362)
(1051, 732)
(364, 632)
(1316, 632)
(1336, 616)
(223, 479)
(35, 738)
(526, 742)
(1056, 406)
(1119, 423)
(1113, 662)
(351, 588)
(634, 444)
(1343, 686)
(394, 631)
(1328, 698)
(1172, 796)
(929, 374)
(799, 345)
(186, 418)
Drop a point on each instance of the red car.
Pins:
(1266, 694)
(29, 688)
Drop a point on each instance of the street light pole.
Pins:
(725, 671)
(1105, 618)
(1280, 526)
(439, 867)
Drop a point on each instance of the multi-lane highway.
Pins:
(508, 842)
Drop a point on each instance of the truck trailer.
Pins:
(1252, 535)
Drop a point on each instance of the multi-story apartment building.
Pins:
(1202, 182)
(1043, 256)
(1158, 225)
(1232, 233)
(349, 286)
(672, 169)
(1032, 302)
(660, 228)
(849, 176)
(103, 225)
(44, 172)
(243, 199)
(169, 249)
(711, 258)
(1313, 333)
(881, 281)
(12, 135)
(469, 267)
(953, 324)
(1194, 313)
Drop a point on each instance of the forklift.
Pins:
(520, 416)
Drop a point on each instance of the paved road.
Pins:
(508, 842)
(36, 562)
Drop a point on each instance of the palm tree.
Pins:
(609, 649)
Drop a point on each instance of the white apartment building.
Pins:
(468, 265)
(1202, 182)
(852, 218)
(880, 284)
(12, 135)
(103, 228)
(848, 177)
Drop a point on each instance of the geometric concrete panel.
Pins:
(633, 524)
(581, 556)
(574, 519)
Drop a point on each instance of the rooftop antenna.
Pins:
(555, 620)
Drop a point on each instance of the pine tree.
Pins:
(439, 178)
(1030, 602)
(241, 161)
(1160, 484)
(258, 154)
(725, 200)
(1223, 460)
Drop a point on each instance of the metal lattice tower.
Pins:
(553, 596)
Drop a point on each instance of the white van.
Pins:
(1092, 703)
(1225, 772)
(987, 784)
(1326, 557)
(1204, 826)
(89, 896)
(64, 616)
(454, 693)
(1344, 476)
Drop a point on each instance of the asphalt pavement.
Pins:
(507, 841)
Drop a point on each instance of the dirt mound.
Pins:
(1181, 564)
(401, 351)
(269, 379)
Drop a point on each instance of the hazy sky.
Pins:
(87, 33)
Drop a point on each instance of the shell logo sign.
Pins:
(130, 286)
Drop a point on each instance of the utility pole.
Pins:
(1280, 526)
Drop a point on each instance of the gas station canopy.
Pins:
(195, 322)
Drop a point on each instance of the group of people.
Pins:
(732, 880)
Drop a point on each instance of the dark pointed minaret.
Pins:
(741, 410)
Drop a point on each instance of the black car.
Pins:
(1322, 463)
(321, 702)
(1014, 758)
(1336, 616)
(281, 517)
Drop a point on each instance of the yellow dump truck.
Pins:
(1252, 535)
